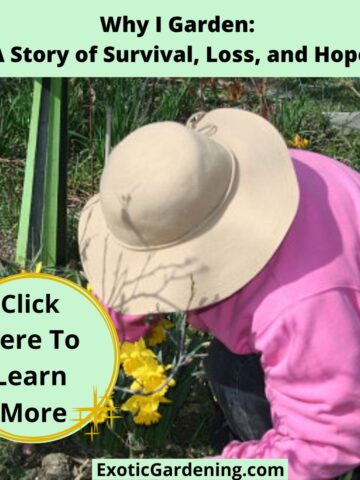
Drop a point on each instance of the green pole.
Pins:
(42, 227)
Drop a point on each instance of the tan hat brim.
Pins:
(221, 258)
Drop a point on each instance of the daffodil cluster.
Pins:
(150, 382)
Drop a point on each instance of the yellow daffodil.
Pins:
(147, 417)
(298, 142)
(129, 348)
(150, 381)
(111, 406)
(134, 355)
(137, 402)
(101, 416)
(149, 369)
(144, 408)
(152, 384)
(37, 269)
(158, 333)
(106, 412)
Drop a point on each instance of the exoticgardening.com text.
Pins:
(159, 470)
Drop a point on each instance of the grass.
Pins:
(295, 106)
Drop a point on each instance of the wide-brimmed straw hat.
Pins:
(187, 215)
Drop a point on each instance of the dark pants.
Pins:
(237, 382)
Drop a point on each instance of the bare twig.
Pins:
(83, 470)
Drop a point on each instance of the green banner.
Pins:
(187, 38)
(181, 469)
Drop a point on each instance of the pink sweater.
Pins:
(302, 312)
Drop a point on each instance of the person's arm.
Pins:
(131, 327)
(312, 369)
(194, 319)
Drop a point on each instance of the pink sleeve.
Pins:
(131, 327)
(194, 318)
(311, 357)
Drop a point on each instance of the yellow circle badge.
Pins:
(59, 357)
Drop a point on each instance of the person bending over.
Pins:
(261, 246)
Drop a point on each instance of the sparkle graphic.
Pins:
(100, 411)
(92, 433)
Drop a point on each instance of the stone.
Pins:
(56, 466)
(345, 121)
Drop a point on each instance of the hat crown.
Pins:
(161, 183)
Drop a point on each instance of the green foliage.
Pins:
(15, 107)
(10, 461)
(139, 438)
